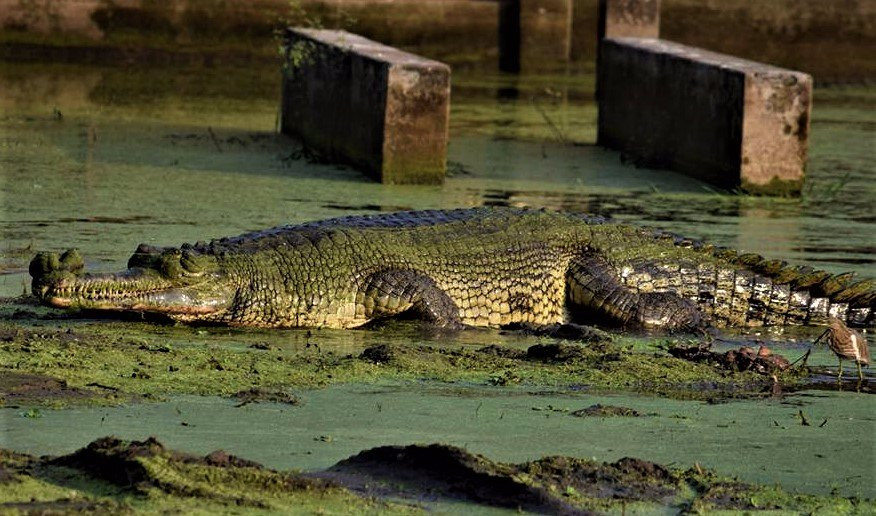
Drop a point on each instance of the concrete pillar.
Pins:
(628, 19)
(729, 121)
(370, 105)
(534, 34)
(509, 36)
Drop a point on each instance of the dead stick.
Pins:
(802, 357)
(213, 137)
(825, 332)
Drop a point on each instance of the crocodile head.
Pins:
(181, 283)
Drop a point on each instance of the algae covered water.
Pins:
(103, 159)
(745, 439)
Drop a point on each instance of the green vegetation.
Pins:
(775, 186)
(115, 362)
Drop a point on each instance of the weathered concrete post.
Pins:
(628, 19)
(534, 34)
(360, 102)
(729, 121)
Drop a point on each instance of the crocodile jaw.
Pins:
(135, 289)
(95, 293)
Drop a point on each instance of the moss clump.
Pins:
(257, 394)
(599, 410)
(112, 476)
(567, 485)
(775, 187)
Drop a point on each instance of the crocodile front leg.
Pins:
(595, 293)
(392, 292)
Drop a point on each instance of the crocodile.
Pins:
(494, 267)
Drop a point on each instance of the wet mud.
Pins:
(439, 470)
(559, 484)
(23, 389)
(113, 475)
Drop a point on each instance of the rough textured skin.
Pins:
(477, 267)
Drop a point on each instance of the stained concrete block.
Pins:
(628, 19)
(726, 120)
(357, 101)
(546, 33)
(534, 35)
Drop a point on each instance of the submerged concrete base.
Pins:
(360, 102)
(729, 121)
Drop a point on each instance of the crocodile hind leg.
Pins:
(595, 293)
(394, 292)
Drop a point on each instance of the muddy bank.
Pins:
(112, 475)
(114, 360)
(560, 485)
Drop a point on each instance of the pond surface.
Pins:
(103, 159)
(762, 441)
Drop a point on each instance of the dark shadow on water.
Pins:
(507, 93)
(367, 207)
(625, 203)
(824, 379)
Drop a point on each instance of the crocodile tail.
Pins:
(780, 293)
(752, 290)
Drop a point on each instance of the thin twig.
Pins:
(561, 136)
(803, 357)
(213, 137)
(101, 386)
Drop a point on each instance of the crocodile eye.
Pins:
(170, 264)
(72, 260)
(190, 264)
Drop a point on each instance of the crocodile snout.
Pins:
(49, 270)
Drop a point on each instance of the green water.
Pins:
(175, 155)
(761, 441)
(103, 159)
